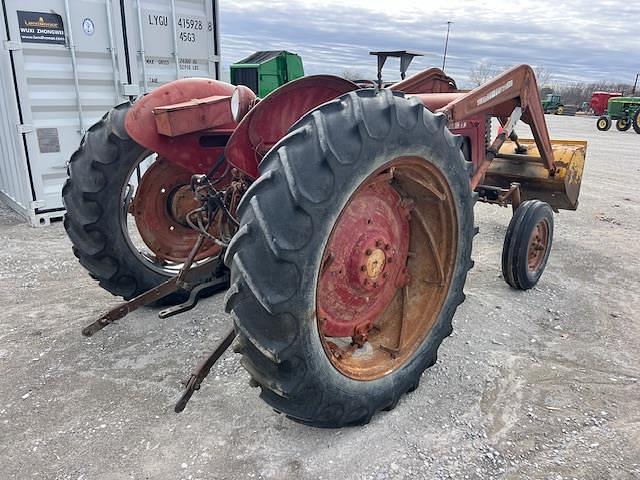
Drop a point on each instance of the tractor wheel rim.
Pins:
(538, 245)
(387, 269)
(138, 233)
(161, 205)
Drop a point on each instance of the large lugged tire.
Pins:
(277, 256)
(623, 124)
(635, 120)
(92, 195)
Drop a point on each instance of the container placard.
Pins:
(41, 27)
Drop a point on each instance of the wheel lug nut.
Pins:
(363, 268)
(387, 246)
(375, 284)
(367, 252)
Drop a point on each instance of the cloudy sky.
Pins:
(577, 40)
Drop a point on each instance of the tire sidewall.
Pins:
(108, 156)
(326, 377)
(636, 121)
(607, 124)
(538, 212)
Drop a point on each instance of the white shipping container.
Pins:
(64, 63)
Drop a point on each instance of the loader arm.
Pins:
(499, 97)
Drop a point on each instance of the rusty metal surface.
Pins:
(432, 80)
(517, 87)
(170, 286)
(162, 201)
(500, 196)
(270, 119)
(538, 245)
(196, 152)
(193, 116)
(561, 191)
(203, 368)
(379, 340)
(365, 260)
(122, 310)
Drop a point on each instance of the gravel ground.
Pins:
(532, 385)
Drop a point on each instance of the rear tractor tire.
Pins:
(603, 123)
(527, 244)
(98, 209)
(351, 257)
(635, 121)
(623, 124)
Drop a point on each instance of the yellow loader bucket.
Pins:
(560, 191)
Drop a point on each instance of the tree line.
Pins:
(572, 93)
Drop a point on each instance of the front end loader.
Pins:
(339, 219)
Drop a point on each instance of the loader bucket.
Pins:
(560, 190)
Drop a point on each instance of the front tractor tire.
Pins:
(351, 257)
(527, 244)
(603, 123)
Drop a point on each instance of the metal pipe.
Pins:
(112, 49)
(175, 37)
(74, 65)
(436, 101)
(633, 92)
(216, 38)
(143, 57)
(446, 46)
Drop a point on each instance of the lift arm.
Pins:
(517, 87)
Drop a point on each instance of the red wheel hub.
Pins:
(365, 260)
(161, 203)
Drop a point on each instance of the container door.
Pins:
(171, 39)
(15, 186)
(69, 72)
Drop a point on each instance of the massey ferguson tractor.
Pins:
(340, 219)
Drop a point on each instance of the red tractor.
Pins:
(341, 216)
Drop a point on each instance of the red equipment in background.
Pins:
(600, 101)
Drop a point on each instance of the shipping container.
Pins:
(64, 63)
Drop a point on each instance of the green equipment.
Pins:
(625, 111)
(553, 104)
(265, 71)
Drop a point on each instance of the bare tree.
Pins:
(575, 93)
(351, 74)
(543, 76)
(482, 72)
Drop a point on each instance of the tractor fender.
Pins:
(270, 120)
(196, 152)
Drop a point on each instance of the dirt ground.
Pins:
(541, 384)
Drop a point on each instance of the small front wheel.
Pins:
(527, 244)
(604, 123)
(623, 124)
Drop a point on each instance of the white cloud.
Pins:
(575, 39)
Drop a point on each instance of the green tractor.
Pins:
(626, 113)
(553, 104)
